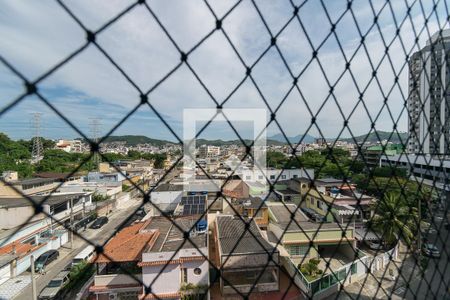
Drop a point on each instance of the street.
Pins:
(436, 283)
(97, 236)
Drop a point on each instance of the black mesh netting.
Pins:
(320, 236)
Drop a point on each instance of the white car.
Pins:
(376, 245)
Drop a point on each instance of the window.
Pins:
(298, 250)
(197, 271)
(318, 204)
(283, 176)
(311, 199)
(272, 176)
(260, 177)
(295, 176)
(248, 177)
(184, 275)
(353, 269)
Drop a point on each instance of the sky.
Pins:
(37, 35)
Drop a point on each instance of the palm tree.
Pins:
(394, 219)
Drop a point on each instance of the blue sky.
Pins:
(36, 35)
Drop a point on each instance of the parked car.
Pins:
(141, 212)
(85, 255)
(375, 245)
(44, 259)
(430, 250)
(55, 289)
(99, 222)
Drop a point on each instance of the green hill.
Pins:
(133, 140)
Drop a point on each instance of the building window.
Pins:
(283, 176)
(260, 177)
(311, 199)
(295, 176)
(295, 250)
(272, 176)
(248, 177)
(197, 271)
(184, 275)
(318, 204)
(353, 269)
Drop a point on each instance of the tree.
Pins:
(311, 269)
(394, 219)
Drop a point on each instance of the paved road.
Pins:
(98, 236)
(436, 282)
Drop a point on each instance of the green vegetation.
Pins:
(335, 163)
(16, 155)
(79, 274)
(99, 198)
(395, 219)
(133, 140)
(190, 291)
(311, 269)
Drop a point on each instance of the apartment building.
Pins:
(429, 100)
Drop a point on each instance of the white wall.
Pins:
(166, 197)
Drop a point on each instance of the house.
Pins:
(16, 211)
(254, 208)
(11, 186)
(300, 239)
(117, 271)
(337, 200)
(166, 196)
(173, 267)
(236, 188)
(244, 257)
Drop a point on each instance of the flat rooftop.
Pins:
(235, 239)
(167, 187)
(51, 200)
(171, 233)
(282, 214)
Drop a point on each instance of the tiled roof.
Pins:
(233, 240)
(171, 238)
(20, 249)
(128, 244)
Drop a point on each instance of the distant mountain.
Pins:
(133, 140)
(382, 135)
(293, 139)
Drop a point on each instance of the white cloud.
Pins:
(38, 35)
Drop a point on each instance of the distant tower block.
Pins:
(95, 133)
(38, 150)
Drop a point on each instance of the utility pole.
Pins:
(33, 280)
(95, 132)
(38, 149)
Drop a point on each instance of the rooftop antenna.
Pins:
(95, 133)
(38, 150)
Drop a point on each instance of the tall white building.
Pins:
(429, 97)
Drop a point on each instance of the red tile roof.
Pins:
(127, 245)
